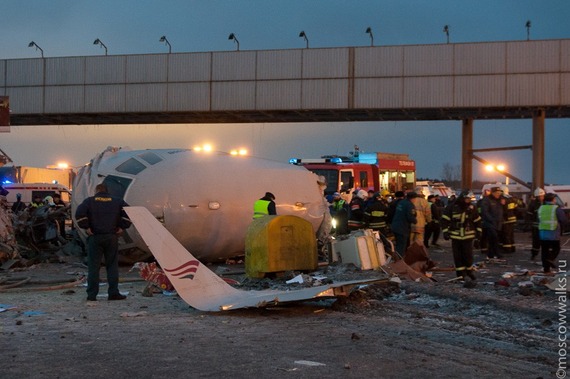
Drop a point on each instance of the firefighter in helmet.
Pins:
(462, 224)
(509, 221)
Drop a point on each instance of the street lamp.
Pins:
(33, 44)
(446, 31)
(233, 36)
(527, 30)
(369, 31)
(302, 34)
(498, 168)
(163, 39)
(98, 42)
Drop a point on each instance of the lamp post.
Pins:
(98, 42)
(446, 31)
(233, 36)
(302, 34)
(527, 30)
(369, 31)
(33, 44)
(498, 168)
(163, 39)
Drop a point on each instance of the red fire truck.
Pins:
(367, 171)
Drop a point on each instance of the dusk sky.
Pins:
(68, 28)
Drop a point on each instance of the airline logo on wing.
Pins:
(185, 271)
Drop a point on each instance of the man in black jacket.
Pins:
(104, 219)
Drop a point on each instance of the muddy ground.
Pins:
(412, 330)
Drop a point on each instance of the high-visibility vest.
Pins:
(547, 219)
(260, 208)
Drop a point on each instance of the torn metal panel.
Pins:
(203, 289)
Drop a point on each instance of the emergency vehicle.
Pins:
(367, 171)
(430, 188)
(30, 190)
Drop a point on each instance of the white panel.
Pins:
(147, 68)
(279, 94)
(237, 65)
(323, 94)
(480, 58)
(428, 92)
(105, 99)
(25, 72)
(105, 70)
(480, 91)
(325, 63)
(529, 89)
(428, 60)
(233, 96)
(533, 56)
(279, 64)
(378, 93)
(62, 71)
(379, 61)
(192, 67)
(145, 97)
(189, 97)
(25, 100)
(64, 99)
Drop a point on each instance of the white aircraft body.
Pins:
(205, 200)
(203, 289)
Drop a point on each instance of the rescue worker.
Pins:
(509, 221)
(376, 213)
(61, 213)
(404, 217)
(482, 244)
(433, 228)
(462, 224)
(356, 210)
(492, 215)
(339, 212)
(36, 203)
(550, 221)
(264, 206)
(18, 206)
(532, 215)
(423, 217)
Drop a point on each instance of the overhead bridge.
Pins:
(468, 81)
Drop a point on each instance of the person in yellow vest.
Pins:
(264, 206)
(550, 221)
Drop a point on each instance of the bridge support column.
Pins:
(467, 153)
(538, 149)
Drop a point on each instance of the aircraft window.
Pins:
(131, 166)
(150, 157)
(117, 185)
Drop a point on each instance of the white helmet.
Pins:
(505, 189)
(362, 194)
(539, 192)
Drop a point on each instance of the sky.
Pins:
(68, 28)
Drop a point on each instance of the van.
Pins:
(30, 190)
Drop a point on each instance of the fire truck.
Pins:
(367, 171)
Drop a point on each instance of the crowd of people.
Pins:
(488, 224)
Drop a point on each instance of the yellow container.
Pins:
(279, 243)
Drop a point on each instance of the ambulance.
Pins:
(30, 190)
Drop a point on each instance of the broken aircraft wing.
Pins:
(203, 289)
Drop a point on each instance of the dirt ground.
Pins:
(409, 330)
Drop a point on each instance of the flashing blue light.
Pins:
(336, 160)
(6, 182)
(294, 160)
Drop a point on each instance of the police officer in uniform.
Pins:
(104, 219)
